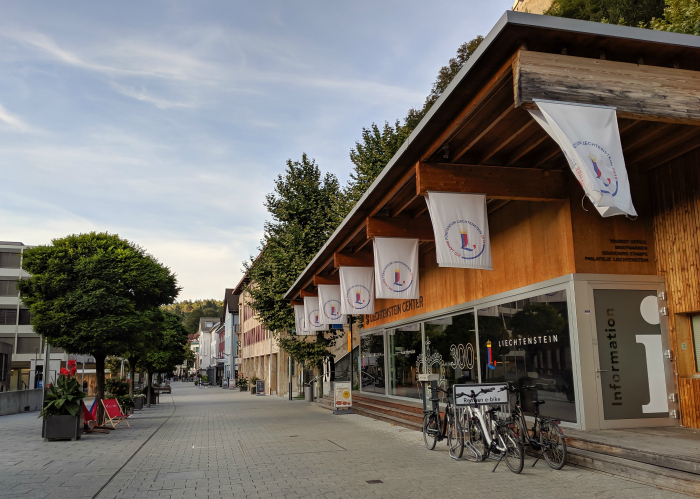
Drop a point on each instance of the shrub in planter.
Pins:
(242, 383)
(62, 409)
(253, 386)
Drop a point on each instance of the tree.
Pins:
(304, 211)
(87, 294)
(627, 12)
(680, 16)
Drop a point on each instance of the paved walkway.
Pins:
(210, 443)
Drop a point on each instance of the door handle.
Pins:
(601, 370)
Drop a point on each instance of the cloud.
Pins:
(143, 95)
(12, 121)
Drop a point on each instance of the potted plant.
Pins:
(242, 383)
(139, 397)
(62, 409)
(253, 385)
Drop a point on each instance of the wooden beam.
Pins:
(304, 294)
(415, 228)
(296, 302)
(639, 92)
(485, 130)
(497, 182)
(326, 279)
(353, 260)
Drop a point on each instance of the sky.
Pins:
(166, 122)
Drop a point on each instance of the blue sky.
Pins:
(167, 121)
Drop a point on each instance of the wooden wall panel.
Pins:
(676, 201)
(531, 242)
(689, 394)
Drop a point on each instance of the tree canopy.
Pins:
(680, 16)
(94, 294)
(305, 211)
(626, 12)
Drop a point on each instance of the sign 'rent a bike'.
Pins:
(497, 396)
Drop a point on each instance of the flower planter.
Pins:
(243, 388)
(252, 390)
(138, 403)
(63, 428)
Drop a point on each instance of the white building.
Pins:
(207, 352)
(231, 336)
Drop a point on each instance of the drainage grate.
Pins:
(374, 481)
(290, 436)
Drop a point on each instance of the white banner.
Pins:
(312, 313)
(329, 300)
(300, 320)
(357, 289)
(590, 139)
(461, 230)
(396, 268)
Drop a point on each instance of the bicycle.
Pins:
(546, 437)
(487, 433)
(436, 428)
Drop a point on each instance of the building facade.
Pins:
(206, 342)
(601, 314)
(532, 6)
(231, 324)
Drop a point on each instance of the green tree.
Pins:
(680, 16)
(304, 213)
(626, 12)
(87, 294)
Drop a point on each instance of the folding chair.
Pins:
(113, 413)
(90, 421)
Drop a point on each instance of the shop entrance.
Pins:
(635, 372)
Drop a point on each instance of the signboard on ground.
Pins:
(260, 387)
(342, 395)
(497, 396)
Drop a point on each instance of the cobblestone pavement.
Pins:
(207, 443)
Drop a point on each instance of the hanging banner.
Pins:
(329, 301)
(396, 268)
(300, 320)
(590, 139)
(461, 229)
(357, 289)
(312, 313)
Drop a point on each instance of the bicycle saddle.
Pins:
(538, 402)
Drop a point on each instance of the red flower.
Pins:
(71, 363)
(73, 371)
(65, 372)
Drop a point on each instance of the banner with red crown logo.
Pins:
(461, 229)
(396, 268)
(312, 314)
(329, 301)
(590, 139)
(300, 320)
(357, 290)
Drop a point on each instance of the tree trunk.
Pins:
(132, 375)
(100, 388)
(149, 383)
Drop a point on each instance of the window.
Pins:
(372, 363)
(8, 316)
(9, 260)
(25, 318)
(9, 288)
(696, 340)
(30, 344)
(4, 366)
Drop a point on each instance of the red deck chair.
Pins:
(90, 421)
(114, 413)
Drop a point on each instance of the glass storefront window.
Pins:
(527, 342)
(372, 363)
(450, 344)
(405, 346)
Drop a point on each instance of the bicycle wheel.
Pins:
(431, 428)
(554, 446)
(515, 454)
(455, 437)
(477, 440)
(521, 431)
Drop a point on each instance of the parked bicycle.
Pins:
(488, 434)
(437, 428)
(546, 435)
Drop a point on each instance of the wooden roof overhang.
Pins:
(480, 138)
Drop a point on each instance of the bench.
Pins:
(163, 389)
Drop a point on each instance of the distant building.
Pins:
(532, 6)
(207, 353)
(231, 323)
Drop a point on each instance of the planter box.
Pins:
(243, 388)
(252, 390)
(138, 403)
(63, 428)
